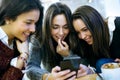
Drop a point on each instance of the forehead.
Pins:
(78, 23)
(59, 19)
(32, 15)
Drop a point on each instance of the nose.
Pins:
(82, 35)
(61, 31)
(32, 28)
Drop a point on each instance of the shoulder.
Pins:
(35, 42)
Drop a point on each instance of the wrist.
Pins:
(69, 55)
(91, 70)
(46, 76)
(26, 53)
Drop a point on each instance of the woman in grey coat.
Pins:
(56, 44)
(58, 41)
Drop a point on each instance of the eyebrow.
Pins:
(30, 20)
(84, 28)
(59, 25)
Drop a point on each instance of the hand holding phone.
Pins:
(73, 63)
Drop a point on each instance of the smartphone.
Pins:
(71, 63)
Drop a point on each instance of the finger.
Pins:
(64, 72)
(60, 43)
(83, 67)
(56, 69)
(81, 73)
(72, 78)
(65, 44)
(69, 75)
(117, 60)
(60, 74)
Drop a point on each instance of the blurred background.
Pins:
(105, 7)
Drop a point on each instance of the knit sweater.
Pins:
(8, 72)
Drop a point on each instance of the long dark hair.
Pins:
(51, 58)
(98, 28)
(13, 8)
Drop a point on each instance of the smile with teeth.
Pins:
(87, 39)
(26, 34)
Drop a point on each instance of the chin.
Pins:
(90, 43)
(22, 40)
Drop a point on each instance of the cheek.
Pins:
(67, 32)
(20, 26)
(53, 32)
(79, 36)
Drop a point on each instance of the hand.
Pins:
(62, 48)
(83, 70)
(23, 48)
(57, 74)
(117, 60)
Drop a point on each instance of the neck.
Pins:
(7, 31)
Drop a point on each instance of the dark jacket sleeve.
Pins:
(13, 74)
(115, 46)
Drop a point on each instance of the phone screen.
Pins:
(72, 64)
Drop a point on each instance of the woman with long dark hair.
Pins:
(94, 37)
(58, 42)
(18, 20)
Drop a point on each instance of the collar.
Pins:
(4, 38)
(111, 24)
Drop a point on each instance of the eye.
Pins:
(28, 23)
(55, 27)
(66, 27)
(85, 29)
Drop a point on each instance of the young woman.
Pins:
(93, 35)
(59, 42)
(17, 21)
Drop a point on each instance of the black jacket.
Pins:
(115, 45)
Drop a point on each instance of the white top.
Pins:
(111, 26)
(4, 38)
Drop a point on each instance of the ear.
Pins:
(7, 20)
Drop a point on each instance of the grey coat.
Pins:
(34, 70)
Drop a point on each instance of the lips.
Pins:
(61, 38)
(26, 34)
(88, 39)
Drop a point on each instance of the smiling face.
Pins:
(83, 31)
(23, 26)
(59, 29)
